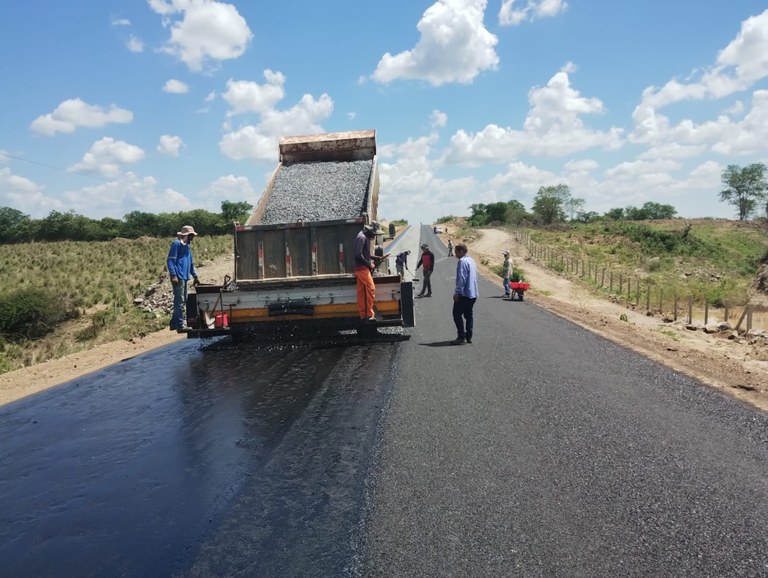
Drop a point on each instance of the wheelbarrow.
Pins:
(518, 288)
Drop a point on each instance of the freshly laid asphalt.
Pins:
(538, 450)
(544, 450)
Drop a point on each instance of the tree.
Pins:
(659, 211)
(572, 206)
(549, 202)
(479, 216)
(616, 214)
(14, 226)
(235, 212)
(516, 212)
(496, 212)
(586, 217)
(744, 188)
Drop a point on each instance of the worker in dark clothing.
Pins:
(427, 262)
(450, 248)
(401, 263)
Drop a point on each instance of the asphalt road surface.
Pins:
(538, 450)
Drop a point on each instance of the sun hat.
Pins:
(505, 252)
(186, 230)
(374, 228)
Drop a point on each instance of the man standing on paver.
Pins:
(363, 265)
(464, 296)
(427, 261)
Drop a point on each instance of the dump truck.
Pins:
(294, 255)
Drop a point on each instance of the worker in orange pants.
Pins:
(366, 294)
(363, 265)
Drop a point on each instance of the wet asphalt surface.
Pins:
(538, 450)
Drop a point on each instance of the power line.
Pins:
(55, 168)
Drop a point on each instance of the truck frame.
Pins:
(296, 276)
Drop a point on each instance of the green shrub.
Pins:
(33, 313)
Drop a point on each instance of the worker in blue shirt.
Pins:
(181, 268)
(464, 296)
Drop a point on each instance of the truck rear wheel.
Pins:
(406, 304)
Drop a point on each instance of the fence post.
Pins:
(637, 291)
(726, 312)
(602, 279)
(749, 317)
(648, 298)
(629, 288)
(661, 301)
(611, 280)
(690, 309)
(743, 314)
(675, 315)
(706, 311)
(621, 284)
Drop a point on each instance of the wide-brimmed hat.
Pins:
(186, 230)
(505, 252)
(374, 228)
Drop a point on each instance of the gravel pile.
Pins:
(318, 191)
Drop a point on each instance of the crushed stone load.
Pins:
(318, 191)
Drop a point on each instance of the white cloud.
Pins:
(521, 181)
(454, 46)
(3, 156)
(260, 141)
(203, 32)
(553, 127)
(351, 115)
(583, 165)
(533, 10)
(169, 145)
(124, 194)
(121, 22)
(246, 96)
(410, 185)
(74, 113)
(738, 66)
(25, 195)
(107, 156)
(174, 86)
(228, 188)
(438, 119)
(135, 44)
(723, 135)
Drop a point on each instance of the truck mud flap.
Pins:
(277, 309)
(406, 304)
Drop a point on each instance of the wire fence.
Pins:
(640, 293)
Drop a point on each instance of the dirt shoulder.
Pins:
(738, 367)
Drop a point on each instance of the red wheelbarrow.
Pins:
(518, 288)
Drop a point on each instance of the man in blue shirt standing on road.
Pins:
(464, 296)
(181, 268)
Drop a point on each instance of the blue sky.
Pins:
(165, 105)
